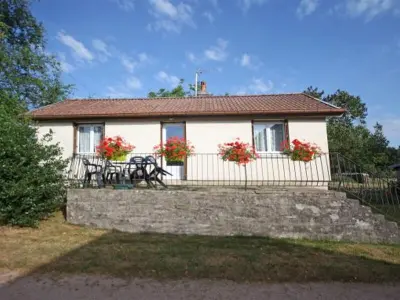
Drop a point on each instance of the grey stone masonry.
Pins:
(280, 213)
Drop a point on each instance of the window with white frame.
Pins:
(89, 136)
(268, 136)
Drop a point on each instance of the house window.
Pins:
(268, 136)
(89, 136)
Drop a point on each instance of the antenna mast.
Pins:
(196, 79)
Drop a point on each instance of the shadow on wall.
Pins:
(240, 259)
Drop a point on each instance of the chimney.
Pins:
(203, 87)
(203, 90)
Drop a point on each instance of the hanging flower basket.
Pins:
(174, 150)
(114, 148)
(301, 151)
(239, 152)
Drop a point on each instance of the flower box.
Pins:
(114, 148)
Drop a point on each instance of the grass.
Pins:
(60, 248)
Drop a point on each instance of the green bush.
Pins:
(31, 170)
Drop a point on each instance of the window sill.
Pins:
(269, 152)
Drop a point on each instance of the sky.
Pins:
(126, 48)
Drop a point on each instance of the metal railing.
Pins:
(207, 169)
(379, 190)
(331, 171)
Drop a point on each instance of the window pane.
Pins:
(174, 130)
(98, 132)
(277, 137)
(260, 137)
(84, 139)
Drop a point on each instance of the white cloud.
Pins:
(258, 85)
(172, 80)
(65, 66)
(192, 57)
(251, 62)
(143, 57)
(245, 5)
(209, 16)
(114, 92)
(170, 17)
(131, 63)
(126, 5)
(217, 52)
(78, 48)
(133, 83)
(128, 63)
(306, 7)
(125, 89)
(101, 46)
(368, 8)
(245, 60)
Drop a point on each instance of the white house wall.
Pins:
(63, 133)
(144, 135)
(310, 130)
(205, 135)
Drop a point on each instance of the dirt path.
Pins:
(100, 288)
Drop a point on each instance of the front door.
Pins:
(173, 130)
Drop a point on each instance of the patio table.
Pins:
(140, 170)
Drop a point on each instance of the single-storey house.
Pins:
(206, 121)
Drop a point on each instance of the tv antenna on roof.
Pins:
(196, 79)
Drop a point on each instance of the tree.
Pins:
(349, 135)
(27, 72)
(356, 110)
(31, 173)
(177, 92)
(314, 92)
(394, 155)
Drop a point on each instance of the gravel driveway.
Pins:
(100, 288)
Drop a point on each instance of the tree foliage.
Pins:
(177, 92)
(350, 136)
(31, 170)
(27, 72)
(31, 173)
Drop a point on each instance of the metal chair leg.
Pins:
(117, 176)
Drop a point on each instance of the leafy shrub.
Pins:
(31, 171)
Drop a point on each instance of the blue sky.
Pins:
(126, 48)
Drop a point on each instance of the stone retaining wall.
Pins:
(311, 214)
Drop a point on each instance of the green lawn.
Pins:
(62, 248)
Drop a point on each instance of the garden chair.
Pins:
(135, 169)
(154, 171)
(111, 170)
(93, 169)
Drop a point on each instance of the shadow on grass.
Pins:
(241, 259)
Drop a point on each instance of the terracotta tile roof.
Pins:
(279, 104)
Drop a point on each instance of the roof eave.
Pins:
(332, 113)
